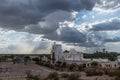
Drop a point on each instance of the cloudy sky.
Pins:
(31, 26)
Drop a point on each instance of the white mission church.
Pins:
(73, 56)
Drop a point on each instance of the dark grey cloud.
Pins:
(112, 24)
(16, 14)
(50, 23)
(77, 38)
(116, 39)
(67, 34)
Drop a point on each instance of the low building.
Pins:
(44, 58)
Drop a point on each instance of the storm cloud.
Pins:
(16, 14)
(110, 24)
(44, 17)
(50, 23)
(67, 35)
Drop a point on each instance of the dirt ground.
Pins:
(43, 72)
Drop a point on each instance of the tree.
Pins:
(37, 60)
(26, 58)
(14, 61)
(112, 58)
(81, 67)
(84, 65)
(58, 64)
(3, 58)
(63, 65)
(72, 67)
(94, 64)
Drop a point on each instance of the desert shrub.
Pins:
(63, 65)
(53, 76)
(72, 67)
(58, 63)
(64, 75)
(114, 73)
(117, 78)
(47, 64)
(94, 73)
(73, 76)
(80, 67)
(32, 77)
